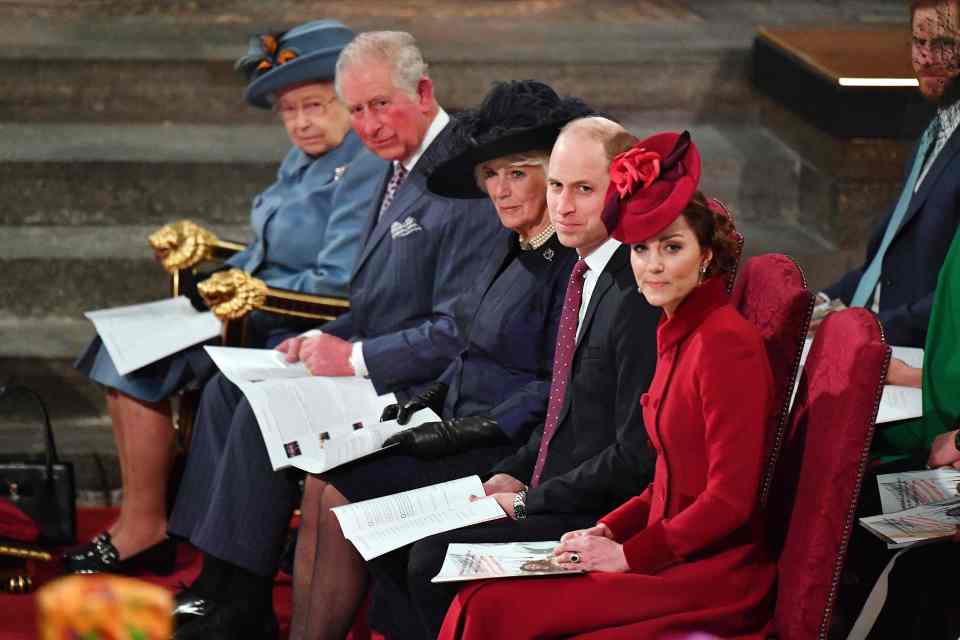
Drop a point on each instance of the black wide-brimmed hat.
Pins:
(305, 53)
(514, 117)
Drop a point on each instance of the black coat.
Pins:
(599, 456)
(504, 372)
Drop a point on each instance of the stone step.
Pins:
(66, 256)
(85, 175)
(64, 271)
(108, 61)
(69, 174)
(155, 69)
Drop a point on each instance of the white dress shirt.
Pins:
(597, 262)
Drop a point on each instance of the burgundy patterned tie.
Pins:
(399, 173)
(562, 359)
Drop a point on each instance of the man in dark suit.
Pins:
(905, 251)
(420, 253)
(596, 453)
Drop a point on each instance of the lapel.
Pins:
(604, 282)
(413, 187)
(495, 264)
(410, 190)
(943, 159)
(619, 260)
(375, 208)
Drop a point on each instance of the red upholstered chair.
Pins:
(817, 480)
(772, 294)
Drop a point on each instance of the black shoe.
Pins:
(199, 618)
(75, 553)
(103, 557)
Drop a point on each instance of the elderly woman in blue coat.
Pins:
(306, 229)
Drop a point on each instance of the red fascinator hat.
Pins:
(650, 185)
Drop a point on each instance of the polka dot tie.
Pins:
(399, 173)
(562, 361)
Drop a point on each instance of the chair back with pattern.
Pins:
(772, 294)
(814, 496)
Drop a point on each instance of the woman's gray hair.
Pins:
(397, 48)
(538, 158)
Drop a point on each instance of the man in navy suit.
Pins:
(905, 251)
(420, 253)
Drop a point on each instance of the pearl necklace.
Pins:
(538, 240)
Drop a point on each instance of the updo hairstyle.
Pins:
(715, 230)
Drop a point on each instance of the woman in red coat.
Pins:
(687, 558)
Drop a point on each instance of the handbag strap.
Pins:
(51, 446)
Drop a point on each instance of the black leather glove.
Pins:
(444, 438)
(188, 287)
(432, 397)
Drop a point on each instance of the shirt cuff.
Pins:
(311, 333)
(357, 361)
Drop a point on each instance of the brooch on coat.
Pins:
(339, 171)
(548, 255)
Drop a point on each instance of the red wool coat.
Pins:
(694, 539)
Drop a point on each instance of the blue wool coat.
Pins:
(307, 225)
(306, 228)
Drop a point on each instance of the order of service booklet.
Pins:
(380, 525)
(314, 423)
(141, 334)
(482, 561)
(918, 506)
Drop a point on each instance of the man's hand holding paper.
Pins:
(323, 354)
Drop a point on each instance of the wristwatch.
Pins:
(519, 505)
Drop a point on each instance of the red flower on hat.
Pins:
(633, 166)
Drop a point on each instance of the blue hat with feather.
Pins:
(305, 53)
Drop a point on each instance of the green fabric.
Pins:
(941, 371)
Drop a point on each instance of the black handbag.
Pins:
(43, 489)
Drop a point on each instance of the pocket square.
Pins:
(400, 229)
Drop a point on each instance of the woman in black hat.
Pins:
(306, 229)
(491, 396)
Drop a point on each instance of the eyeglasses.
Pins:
(311, 109)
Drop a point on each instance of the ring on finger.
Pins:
(575, 558)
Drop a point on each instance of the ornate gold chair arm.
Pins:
(233, 294)
(184, 244)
